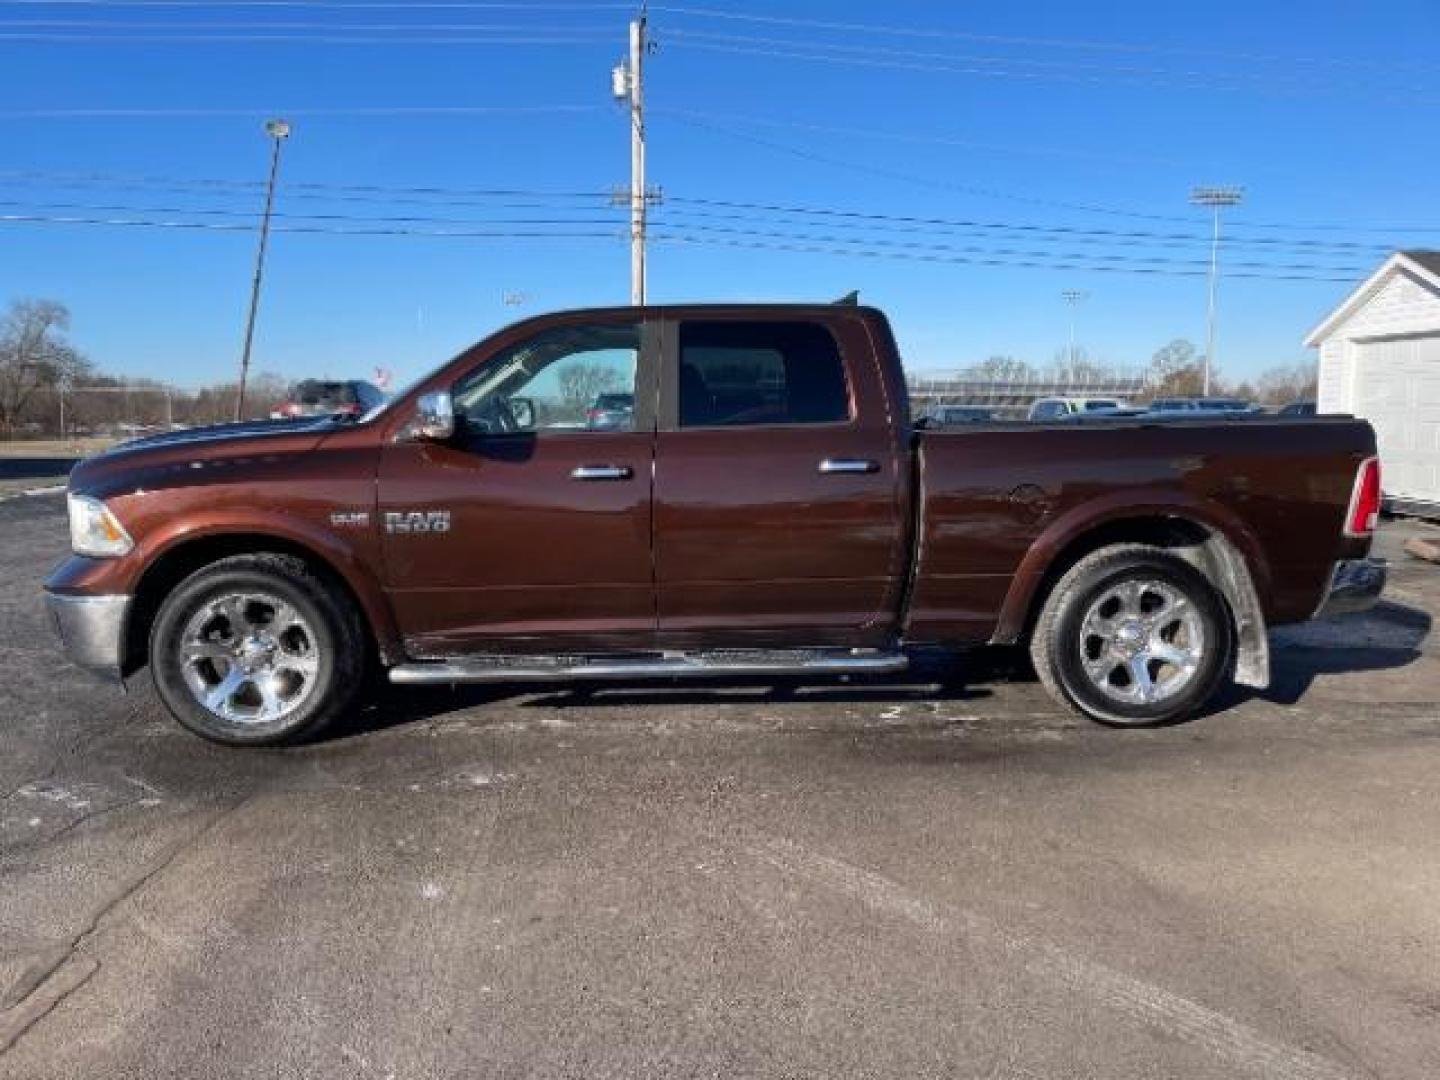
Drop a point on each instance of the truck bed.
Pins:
(1000, 506)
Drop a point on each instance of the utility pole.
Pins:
(279, 131)
(628, 86)
(1073, 298)
(1215, 198)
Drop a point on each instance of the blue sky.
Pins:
(1001, 115)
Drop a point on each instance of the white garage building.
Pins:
(1380, 360)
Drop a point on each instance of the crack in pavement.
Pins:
(54, 978)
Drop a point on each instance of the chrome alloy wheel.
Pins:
(249, 658)
(1141, 642)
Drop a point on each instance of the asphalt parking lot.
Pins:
(942, 875)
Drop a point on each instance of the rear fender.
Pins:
(1230, 556)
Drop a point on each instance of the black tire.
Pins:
(332, 640)
(1060, 648)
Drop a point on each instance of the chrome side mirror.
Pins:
(434, 417)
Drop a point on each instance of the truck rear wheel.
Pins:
(257, 650)
(1133, 636)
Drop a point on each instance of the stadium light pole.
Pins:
(1073, 298)
(1216, 198)
(278, 131)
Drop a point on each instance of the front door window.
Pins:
(568, 379)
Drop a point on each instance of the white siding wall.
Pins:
(1383, 365)
(1334, 393)
(1397, 388)
(1401, 306)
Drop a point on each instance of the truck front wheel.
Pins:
(257, 650)
(1132, 636)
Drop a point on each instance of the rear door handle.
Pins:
(602, 472)
(849, 465)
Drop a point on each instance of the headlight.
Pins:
(94, 530)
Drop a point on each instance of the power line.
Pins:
(226, 212)
(210, 24)
(251, 185)
(821, 249)
(910, 137)
(886, 224)
(737, 238)
(919, 246)
(212, 226)
(328, 5)
(343, 111)
(872, 29)
(992, 193)
(1117, 238)
(430, 195)
(610, 215)
(870, 215)
(808, 52)
(871, 50)
(945, 185)
(294, 39)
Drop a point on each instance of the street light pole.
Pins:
(279, 131)
(1215, 198)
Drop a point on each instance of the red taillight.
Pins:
(1365, 500)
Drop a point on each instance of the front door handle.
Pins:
(849, 465)
(602, 472)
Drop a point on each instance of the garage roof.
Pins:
(1428, 259)
(1424, 265)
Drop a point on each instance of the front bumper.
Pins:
(92, 629)
(1355, 585)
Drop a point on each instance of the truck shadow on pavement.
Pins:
(1388, 637)
(931, 678)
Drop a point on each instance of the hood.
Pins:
(181, 458)
(221, 432)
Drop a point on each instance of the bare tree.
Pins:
(34, 355)
(1176, 370)
(1001, 369)
(582, 383)
(216, 404)
(1077, 367)
(1286, 383)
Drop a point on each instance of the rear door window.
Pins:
(736, 374)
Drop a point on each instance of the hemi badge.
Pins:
(350, 519)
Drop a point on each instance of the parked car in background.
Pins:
(1057, 408)
(950, 415)
(768, 509)
(1127, 412)
(325, 397)
(1201, 404)
(611, 412)
(1299, 408)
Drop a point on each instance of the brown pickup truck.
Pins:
(695, 491)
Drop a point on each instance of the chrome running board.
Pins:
(492, 669)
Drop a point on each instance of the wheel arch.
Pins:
(1225, 555)
(185, 556)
